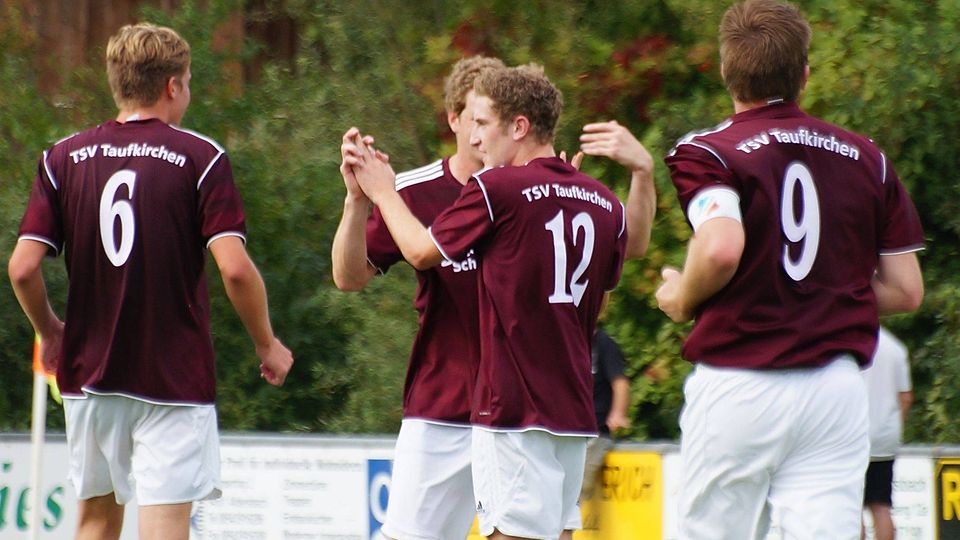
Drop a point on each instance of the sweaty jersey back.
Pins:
(133, 207)
(819, 205)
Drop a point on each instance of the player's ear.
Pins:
(172, 88)
(453, 120)
(520, 127)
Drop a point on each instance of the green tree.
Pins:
(887, 69)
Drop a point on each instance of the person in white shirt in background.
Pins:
(890, 395)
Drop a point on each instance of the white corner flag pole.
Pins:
(38, 427)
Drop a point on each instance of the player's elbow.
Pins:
(911, 296)
(724, 258)
(348, 283)
(21, 270)
(238, 272)
(423, 255)
(915, 298)
(722, 242)
(421, 261)
(637, 248)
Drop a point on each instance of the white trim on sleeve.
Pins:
(439, 247)
(486, 198)
(207, 170)
(46, 168)
(218, 236)
(41, 239)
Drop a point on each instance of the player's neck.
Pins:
(462, 166)
(532, 151)
(140, 112)
(741, 106)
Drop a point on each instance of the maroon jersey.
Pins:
(133, 206)
(820, 205)
(551, 242)
(446, 351)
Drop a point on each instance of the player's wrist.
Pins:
(642, 169)
(358, 201)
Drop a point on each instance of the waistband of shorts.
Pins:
(837, 362)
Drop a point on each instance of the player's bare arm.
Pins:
(904, 401)
(378, 181)
(351, 270)
(247, 293)
(898, 283)
(617, 417)
(614, 141)
(26, 277)
(712, 259)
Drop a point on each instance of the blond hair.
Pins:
(141, 58)
(460, 81)
(523, 91)
(763, 50)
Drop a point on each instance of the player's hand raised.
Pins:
(575, 161)
(614, 141)
(350, 155)
(372, 169)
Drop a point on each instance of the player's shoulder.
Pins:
(700, 141)
(421, 176)
(76, 138)
(862, 141)
(701, 137)
(196, 138)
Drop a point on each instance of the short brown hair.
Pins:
(523, 91)
(141, 58)
(460, 81)
(763, 50)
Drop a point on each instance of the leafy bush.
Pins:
(887, 69)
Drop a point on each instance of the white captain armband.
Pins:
(712, 203)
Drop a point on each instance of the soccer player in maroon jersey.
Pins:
(803, 235)
(431, 491)
(133, 204)
(550, 241)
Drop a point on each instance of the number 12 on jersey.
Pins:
(570, 291)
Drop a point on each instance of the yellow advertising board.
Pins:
(628, 503)
(947, 493)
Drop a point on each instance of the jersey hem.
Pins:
(447, 423)
(152, 401)
(589, 435)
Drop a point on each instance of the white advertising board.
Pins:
(285, 488)
(307, 487)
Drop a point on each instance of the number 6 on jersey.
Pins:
(110, 210)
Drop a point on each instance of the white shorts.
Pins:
(527, 483)
(431, 489)
(597, 449)
(791, 441)
(163, 454)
